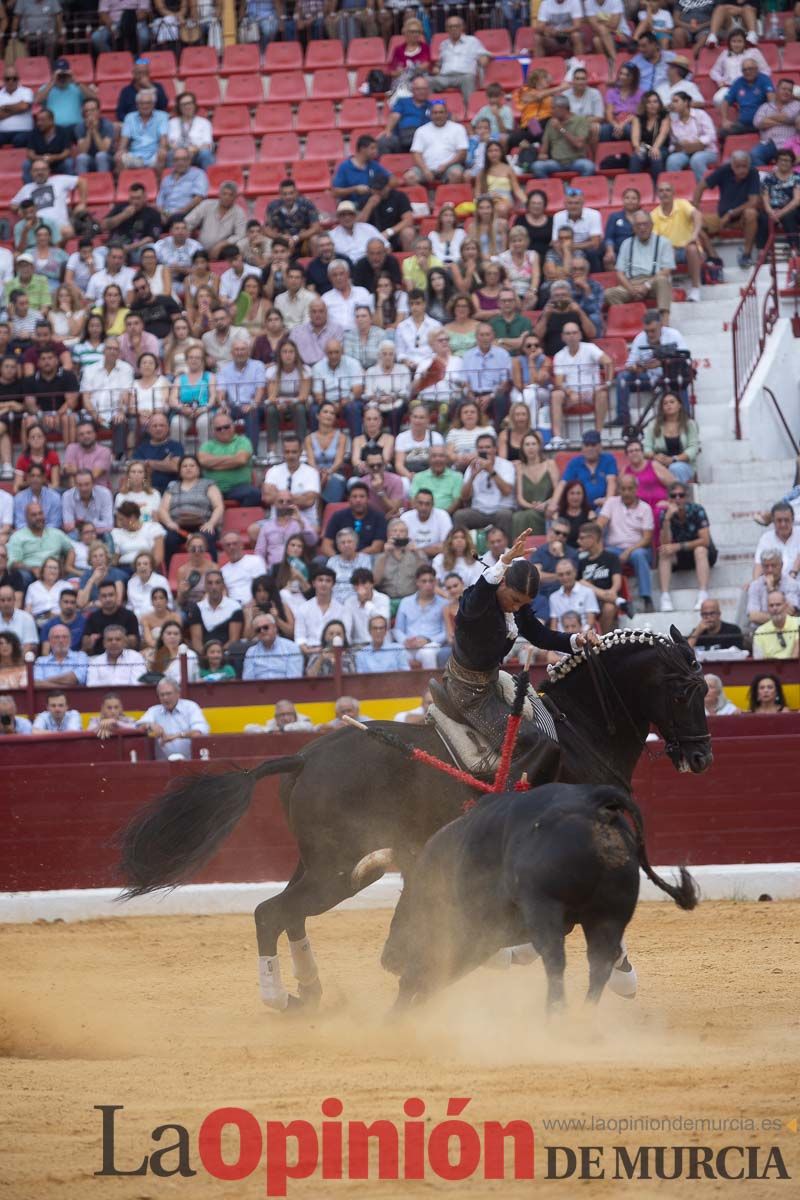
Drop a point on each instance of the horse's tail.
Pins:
(685, 893)
(180, 831)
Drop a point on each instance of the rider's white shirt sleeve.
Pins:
(495, 573)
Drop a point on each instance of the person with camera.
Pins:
(10, 723)
(560, 309)
(368, 522)
(489, 489)
(657, 356)
(386, 490)
(395, 569)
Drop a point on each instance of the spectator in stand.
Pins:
(716, 702)
(775, 121)
(766, 696)
(286, 720)
(16, 110)
(651, 61)
(386, 490)
(158, 452)
(439, 149)
(566, 144)
(294, 217)
(68, 616)
(488, 371)
(739, 204)
(362, 342)
(643, 370)
(427, 526)
(94, 140)
(10, 723)
(37, 492)
(313, 615)
(35, 451)
(458, 556)
(594, 468)
(114, 271)
(728, 66)
(118, 665)
(558, 28)
(571, 596)
(173, 722)
(241, 384)
(106, 394)
(190, 503)
(141, 82)
(109, 612)
(748, 93)
(52, 395)
(183, 188)
(293, 303)
(271, 657)
(292, 484)
(600, 570)
(133, 535)
(338, 380)
(363, 604)
(218, 222)
(644, 267)
(488, 491)
(784, 537)
(62, 666)
(582, 374)
(678, 80)
(345, 561)
(35, 287)
(312, 336)
(143, 582)
(58, 717)
(50, 143)
(780, 195)
(266, 598)
(342, 299)
(369, 524)
(143, 137)
(112, 718)
(628, 525)
(672, 439)
(29, 547)
(412, 345)
(13, 670)
(773, 578)
(395, 568)
(685, 544)
(546, 558)
(711, 632)
(682, 223)
(226, 460)
(217, 615)
(359, 176)
(586, 225)
(405, 116)
(443, 483)
(693, 137)
(381, 654)
(650, 129)
(187, 131)
(50, 193)
(87, 501)
(419, 624)
(462, 60)
(14, 619)
(779, 636)
(324, 661)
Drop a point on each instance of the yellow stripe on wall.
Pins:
(232, 719)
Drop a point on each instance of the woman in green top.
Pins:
(537, 479)
(214, 667)
(673, 439)
(463, 328)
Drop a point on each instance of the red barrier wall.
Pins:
(57, 829)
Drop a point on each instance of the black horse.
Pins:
(346, 795)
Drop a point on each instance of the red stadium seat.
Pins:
(552, 188)
(452, 193)
(11, 161)
(455, 104)
(366, 52)
(475, 104)
(315, 114)
(82, 66)
(162, 64)
(137, 175)
(241, 60)
(281, 148)
(324, 145)
(231, 121)
(358, 112)
(311, 175)
(33, 72)
(283, 56)
(244, 89)
(397, 164)
(288, 87)
(738, 141)
(206, 91)
(496, 41)
(362, 75)
(555, 66)
(644, 184)
(597, 66)
(625, 320)
(107, 94)
(771, 54)
(264, 178)
(199, 60)
(175, 564)
(791, 56)
(170, 92)
(330, 84)
(236, 151)
(705, 60)
(437, 41)
(113, 66)
(270, 118)
(320, 55)
(239, 520)
(218, 173)
(100, 188)
(708, 88)
(328, 512)
(594, 188)
(615, 347)
(523, 39)
(683, 182)
(505, 71)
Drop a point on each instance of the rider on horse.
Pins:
(492, 613)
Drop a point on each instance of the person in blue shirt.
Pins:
(62, 667)
(63, 95)
(419, 625)
(38, 491)
(595, 469)
(359, 176)
(272, 657)
(404, 118)
(380, 655)
(69, 617)
(748, 93)
(10, 723)
(619, 227)
(57, 717)
(141, 79)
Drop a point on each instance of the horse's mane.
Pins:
(618, 637)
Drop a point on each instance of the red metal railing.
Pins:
(752, 323)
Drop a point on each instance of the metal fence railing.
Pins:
(752, 323)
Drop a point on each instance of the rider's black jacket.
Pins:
(482, 637)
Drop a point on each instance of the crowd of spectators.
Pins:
(382, 384)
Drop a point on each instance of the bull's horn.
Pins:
(377, 860)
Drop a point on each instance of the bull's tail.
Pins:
(685, 892)
(170, 839)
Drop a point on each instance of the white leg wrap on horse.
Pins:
(303, 962)
(273, 993)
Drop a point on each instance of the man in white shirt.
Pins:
(231, 280)
(412, 336)
(217, 615)
(488, 491)
(344, 296)
(106, 389)
(295, 302)
(783, 537)
(462, 59)
(572, 596)
(241, 569)
(16, 620)
(57, 717)
(117, 666)
(427, 526)
(586, 224)
(292, 482)
(312, 616)
(114, 271)
(558, 28)
(16, 109)
(339, 380)
(50, 194)
(606, 19)
(439, 148)
(173, 722)
(350, 236)
(582, 372)
(364, 604)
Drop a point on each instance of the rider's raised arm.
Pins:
(538, 634)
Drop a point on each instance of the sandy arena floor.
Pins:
(162, 1016)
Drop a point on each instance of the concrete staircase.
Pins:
(733, 482)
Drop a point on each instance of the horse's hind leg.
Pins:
(307, 894)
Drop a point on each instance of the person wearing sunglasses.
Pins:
(16, 110)
(711, 632)
(779, 637)
(226, 459)
(685, 545)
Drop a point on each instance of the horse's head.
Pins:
(679, 714)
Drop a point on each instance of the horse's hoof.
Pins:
(295, 1004)
(310, 994)
(623, 981)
